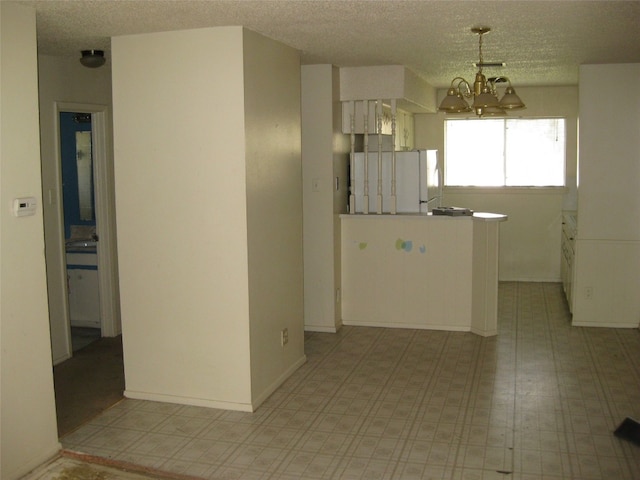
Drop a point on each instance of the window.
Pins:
(505, 152)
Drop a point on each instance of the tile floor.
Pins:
(539, 401)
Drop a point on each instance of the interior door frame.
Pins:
(110, 322)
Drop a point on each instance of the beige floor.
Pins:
(539, 401)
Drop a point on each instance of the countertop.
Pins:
(479, 216)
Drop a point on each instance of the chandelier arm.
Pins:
(462, 81)
(453, 82)
(494, 81)
(500, 79)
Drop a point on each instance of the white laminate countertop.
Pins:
(480, 216)
(490, 217)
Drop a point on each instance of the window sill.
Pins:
(506, 190)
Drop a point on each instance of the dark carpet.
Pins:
(88, 383)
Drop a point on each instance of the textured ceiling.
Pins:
(542, 42)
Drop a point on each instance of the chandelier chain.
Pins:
(480, 52)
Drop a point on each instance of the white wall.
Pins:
(274, 211)
(325, 158)
(64, 80)
(530, 239)
(207, 167)
(181, 216)
(607, 258)
(28, 418)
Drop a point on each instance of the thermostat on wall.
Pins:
(24, 206)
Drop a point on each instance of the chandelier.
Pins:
(484, 92)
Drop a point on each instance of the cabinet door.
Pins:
(84, 298)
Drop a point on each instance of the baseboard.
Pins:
(455, 328)
(223, 405)
(61, 359)
(84, 323)
(484, 333)
(196, 402)
(320, 329)
(604, 325)
(260, 399)
(530, 280)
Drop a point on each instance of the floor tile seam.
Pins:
(604, 393)
(361, 359)
(327, 354)
(190, 435)
(144, 429)
(159, 458)
(137, 436)
(251, 464)
(630, 359)
(458, 462)
(109, 411)
(66, 438)
(314, 371)
(278, 470)
(434, 375)
(515, 340)
(554, 350)
(460, 422)
(234, 447)
(429, 386)
(345, 460)
(224, 462)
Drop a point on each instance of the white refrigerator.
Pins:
(418, 181)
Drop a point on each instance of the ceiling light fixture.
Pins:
(92, 58)
(484, 93)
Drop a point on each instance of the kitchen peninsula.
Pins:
(421, 271)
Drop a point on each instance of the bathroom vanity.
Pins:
(421, 271)
(84, 296)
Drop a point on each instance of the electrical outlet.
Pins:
(588, 293)
(284, 337)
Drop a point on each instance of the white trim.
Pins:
(320, 329)
(105, 217)
(484, 333)
(61, 258)
(605, 325)
(413, 326)
(192, 401)
(256, 402)
(225, 405)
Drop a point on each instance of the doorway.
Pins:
(97, 202)
(80, 241)
(80, 233)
